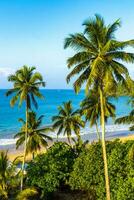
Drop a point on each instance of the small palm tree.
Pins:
(8, 175)
(67, 121)
(36, 137)
(91, 108)
(26, 84)
(99, 60)
(128, 119)
(3, 170)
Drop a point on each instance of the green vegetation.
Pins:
(36, 137)
(129, 119)
(62, 173)
(26, 85)
(79, 170)
(125, 90)
(28, 194)
(60, 170)
(88, 171)
(51, 170)
(68, 121)
(9, 177)
(91, 108)
(98, 63)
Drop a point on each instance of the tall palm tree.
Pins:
(67, 121)
(128, 119)
(36, 137)
(91, 108)
(97, 62)
(26, 84)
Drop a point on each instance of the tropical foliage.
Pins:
(51, 170)
(68, 121)
(28, 194)
(80, 171)
(9, 176)
(26, 84)
(99, 63)
(61, 171)
(128, 119)
(91, 108)
(37, 136)
(88, 171)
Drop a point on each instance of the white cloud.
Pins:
(5, 71)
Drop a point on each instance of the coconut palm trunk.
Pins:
(25, 146)
(104, 147)
(97, 131)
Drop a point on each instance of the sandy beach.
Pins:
(13, 153)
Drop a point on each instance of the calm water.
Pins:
(9, 124)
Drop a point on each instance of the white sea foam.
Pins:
(4, 142)
(109, 129)
(87, 130)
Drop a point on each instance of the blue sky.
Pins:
(32, 32)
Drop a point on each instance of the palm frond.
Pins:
(112, 28)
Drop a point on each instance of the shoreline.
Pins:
(122, 135)
(111, 129)
(19, 153)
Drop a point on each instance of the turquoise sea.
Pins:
(9, 124)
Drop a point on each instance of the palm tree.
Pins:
(97, 61)
(90, 107)
(128, 119)
(26, 85)
(36, 137)
(3, 169)
(67, 121)
(8, 175)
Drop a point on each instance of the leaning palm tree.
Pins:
(36, 137)
(128, 119)
(67, 121)
(91, 109)
(97, 62)
(26, 85)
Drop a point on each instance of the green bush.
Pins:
(27, 194)
(88, 171)
(62, 168)
(51, 170)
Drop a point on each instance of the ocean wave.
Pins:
(87, 130)
(4, 142)
(109, 130)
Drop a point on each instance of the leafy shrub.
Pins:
(3, 194)
(51, 170)
(28, 194)
(121, 171)
(88, 171)
(59, 168)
